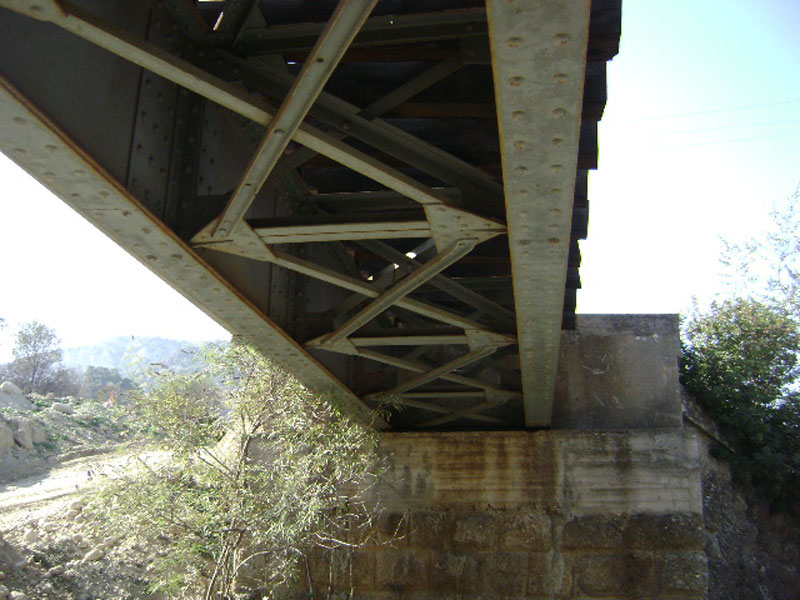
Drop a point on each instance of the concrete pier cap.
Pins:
(619, 372)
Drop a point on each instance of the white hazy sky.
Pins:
(700, 141)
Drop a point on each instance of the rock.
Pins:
(15, 401)
(3, 592)
(17, 596)
(71, 514)
(76, 505)
(38, 432)
(23, 432)
(67, 409)
(54, 571)
(6, 435)
(23, 438)
(31, 536)
(2, 575)
(10, 388)
(94, 554)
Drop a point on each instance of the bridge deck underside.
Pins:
(360, 191)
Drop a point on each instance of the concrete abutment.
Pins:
(607, 506)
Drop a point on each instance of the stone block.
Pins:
(390, 529)
(432, 529)
(477, 531)
(630, 574)
(548, 576)
(402, 570)
(684, 573)
(456, 572)
(524, 531)
(643, 532)
(505, 573)
(677, 530)
(353, 570)
(594, 533)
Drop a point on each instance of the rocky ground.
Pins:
(53, 454)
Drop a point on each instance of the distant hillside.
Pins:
(129, 354)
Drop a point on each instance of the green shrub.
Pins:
(259, 472)
(740, 361)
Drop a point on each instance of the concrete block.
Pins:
(619, 372)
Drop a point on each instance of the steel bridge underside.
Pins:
(384, 197)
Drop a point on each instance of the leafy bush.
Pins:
(259, 472)
(740, 360)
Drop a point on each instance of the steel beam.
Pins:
(47, 152)
(328, 51)
(440, 371)
(539, 61)
(407, 285)
(328, 232)
(382, 30)
(119, 41)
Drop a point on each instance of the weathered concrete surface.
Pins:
(619, 372)
(576, 473)
(549, 514)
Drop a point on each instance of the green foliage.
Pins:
(259, 471)
(740, 360)
(35, 352)
(99, 382)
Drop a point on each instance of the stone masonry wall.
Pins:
(559, 514)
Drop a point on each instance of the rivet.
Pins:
(555, 191)
(519, 170)
(279, 132)
(555, 212)
(515, 81)
(518, 115)
(557, 141)
(520, 144)
(19, 120)
(75, 195)
(561, 39)
(35, 8)
(553, 241)
(556, 168)
(145, 230)
(20, 151)
(514, 42)
(559, 112)
(103, 193)
(78, 173)
(320, 60)
(560, 77)
(554, 226)
(522, 193)
(151, 257)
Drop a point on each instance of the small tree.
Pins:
(261, 471)
(740, 360)
(36, 351)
